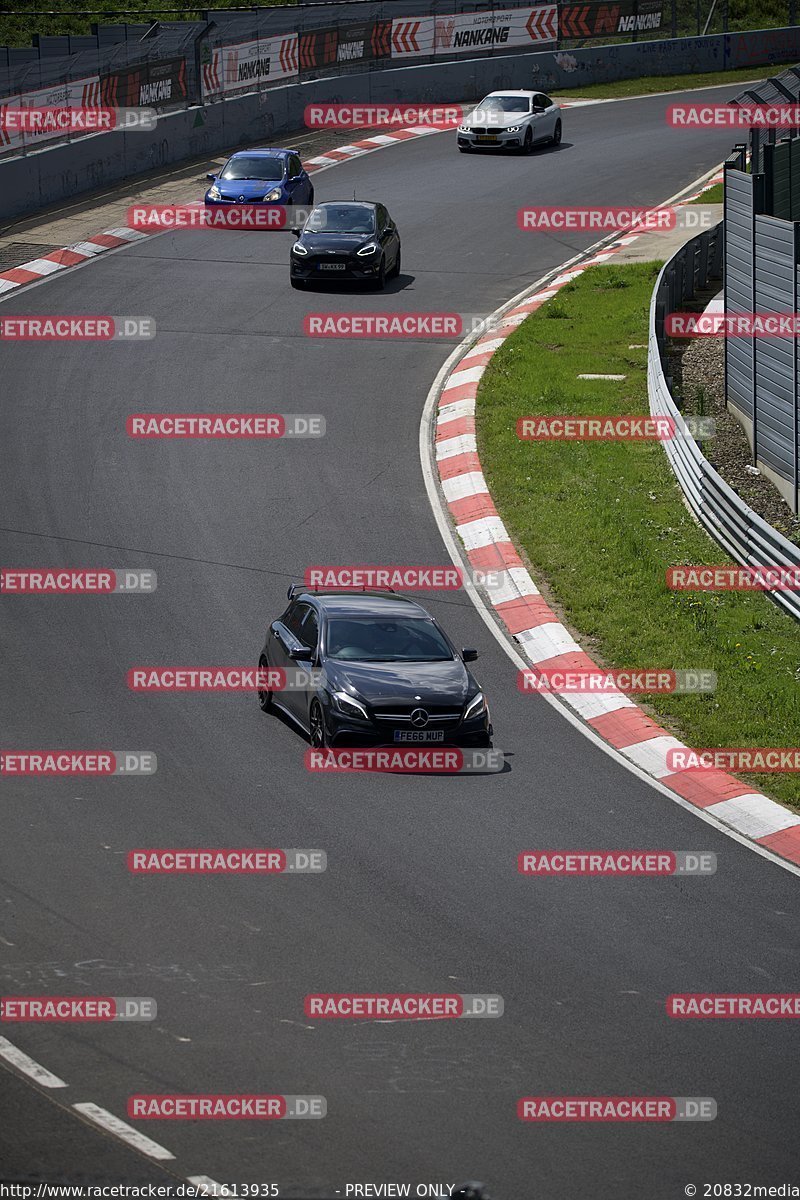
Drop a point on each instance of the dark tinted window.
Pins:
(293, 618)
(341, 218)
(400, 639)
(254, 166)
(295, 166)
(309, 630)
(383, 217)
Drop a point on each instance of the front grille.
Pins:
(478, 128)
(402, 715)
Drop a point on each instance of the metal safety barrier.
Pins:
(740, 531)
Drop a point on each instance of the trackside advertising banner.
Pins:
(61, 97)
(608, 20)
(242, 67)
(470, 33)
(348, 42)
(149, 85)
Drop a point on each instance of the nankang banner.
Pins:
(475, 32)
(242, 67)
(347, 42)
(609, 20)
(149, 85)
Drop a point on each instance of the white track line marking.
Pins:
(28, 1066)
(203, 1181)
(106, 1120)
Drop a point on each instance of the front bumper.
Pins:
(345, 731)
(322, 270)
(497, 139)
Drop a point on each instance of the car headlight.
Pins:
(371, 248)
(350, 706)
(214, 193)
(464, 129)
(513, 128)
(475, 707)
(275, 194)
(299, 248)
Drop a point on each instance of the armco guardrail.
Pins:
(740, 531)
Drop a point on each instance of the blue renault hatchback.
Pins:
(261, 177)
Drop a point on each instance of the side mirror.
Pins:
(211, 176)
(469, 655)
(296, 230)
(301, 653)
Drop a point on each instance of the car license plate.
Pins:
(332, 266)
(486, 137)
(419, 735)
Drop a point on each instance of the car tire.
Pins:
(556, 138)
(318, 734)
(300, 284)
(264, 695)
(527, 141)
(380, 282)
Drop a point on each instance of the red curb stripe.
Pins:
(472, 508)
(572, 660)
(626, 727)
(20, 275)
(457, 428)
(459, 464)
(497, 556)
(786, 843)
(524, 613)
(66, 258)
(703, 787)
(463, 391)
(109, 240)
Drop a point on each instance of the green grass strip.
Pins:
(670, 83)
(600, 523)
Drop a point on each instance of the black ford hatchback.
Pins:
(381, 670)
(346, 240)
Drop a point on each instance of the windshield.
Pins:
(505, 104)
(254, 167)
(341, 218)
(404, 639)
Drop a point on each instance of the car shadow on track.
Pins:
(354, 288)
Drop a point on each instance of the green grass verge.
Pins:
(712, 196)
(600, 522)
(671, 83)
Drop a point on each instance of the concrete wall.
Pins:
(61, 172)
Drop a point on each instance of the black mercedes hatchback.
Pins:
(346, 240)
(381, 672)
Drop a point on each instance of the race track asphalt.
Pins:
(421, 892)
